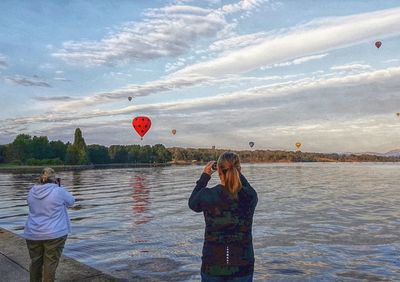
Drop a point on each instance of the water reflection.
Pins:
(73, 184)
(141, 200)
(313, 222)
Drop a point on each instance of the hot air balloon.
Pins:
(173, 131)
(251, 144)
(141, 124)
(298, 145)
(130, 98)
(378, 44)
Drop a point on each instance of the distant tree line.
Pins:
(269, 156)
(28, 150)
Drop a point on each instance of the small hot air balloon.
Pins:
(378, 44)
(130, 98)
(298, 145)
(251, 144)
(141, 124)
(173, 131)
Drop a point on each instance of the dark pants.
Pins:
(45, 255)
(209, 278)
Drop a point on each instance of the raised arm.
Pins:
(69, 200)
(196, 196)
(249, 191)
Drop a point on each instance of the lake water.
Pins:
(313, 222)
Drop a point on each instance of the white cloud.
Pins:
(351, 67)
(237, 41)
(174, 66)
(392, 61)
(315, 37)
(297, 45)
(242, 6)
(298, 61)
(62, 79)
(274, 95)
(308, 58)
(165, 32)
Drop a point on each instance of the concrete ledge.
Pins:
(14, 263)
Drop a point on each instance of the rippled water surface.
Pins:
(313, 222)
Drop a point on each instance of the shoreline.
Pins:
(27, 169)
(14, 263)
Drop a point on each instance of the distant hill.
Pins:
(392, 153)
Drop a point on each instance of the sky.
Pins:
(222, 73)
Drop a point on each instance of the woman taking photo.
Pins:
(228, 210)
(48, 225)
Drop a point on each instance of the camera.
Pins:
(214, 166)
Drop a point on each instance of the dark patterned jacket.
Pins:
(228, 244)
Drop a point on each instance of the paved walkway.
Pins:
(14, 263)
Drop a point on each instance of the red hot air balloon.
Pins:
(141, 124)
(378, 44)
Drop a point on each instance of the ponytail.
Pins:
(229, 163)
(47, 176)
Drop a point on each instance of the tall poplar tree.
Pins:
(77, 152)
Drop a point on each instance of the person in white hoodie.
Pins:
(48, 225)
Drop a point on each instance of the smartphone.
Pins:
(58, 180)
(214, 166)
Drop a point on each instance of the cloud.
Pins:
(314, 37)
(298, 61)
(236, 42)
(25, 81)
(165, 32)
(62, 79)
(242, 6)
(175, 65)
(297, 44)
(291, 95)
(392, 61)
(164, 85)
(53, 99)
(351, 67)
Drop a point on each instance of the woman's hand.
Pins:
(208, 169)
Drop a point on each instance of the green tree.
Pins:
(118, 154)
(20, 149)
(161, 154)
(40, 148)
(77, 152)
(72, 156)
(58, 150)
(146, 154)
(3, 153)
(133, 153)
(98, 154)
